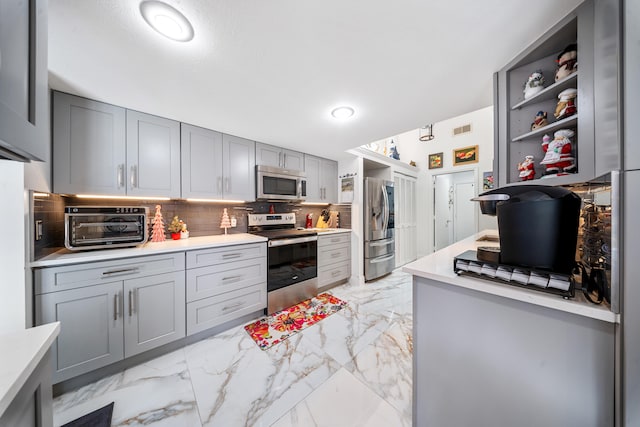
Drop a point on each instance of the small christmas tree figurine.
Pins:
(157, 234)
(226, 222)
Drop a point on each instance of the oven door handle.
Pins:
(293, 241)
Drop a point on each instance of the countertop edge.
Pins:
(439, 267)
(42, 336)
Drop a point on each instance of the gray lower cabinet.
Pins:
(110, 310)
(322, 179)
(225, 283)
(334, 259)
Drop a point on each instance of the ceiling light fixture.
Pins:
(426, 133)
(342, 113)
(166, 20)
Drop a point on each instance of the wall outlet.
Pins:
(234, 222)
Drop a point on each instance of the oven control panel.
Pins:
(272, 219)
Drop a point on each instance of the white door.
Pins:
(454, 212)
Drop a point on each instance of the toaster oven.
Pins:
(103, 227)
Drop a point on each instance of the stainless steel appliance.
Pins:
(102, 227)
(379, 236)
(292, 258)
(280, 184)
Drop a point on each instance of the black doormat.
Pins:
(98, 418)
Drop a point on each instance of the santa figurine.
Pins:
(540, 120)
(558, 158)
(526, 168)
(566, 104)
(567, 62)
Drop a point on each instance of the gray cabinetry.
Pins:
(24, 109)
(514, 138)
(153, 155)
(322, 179)
(334, 259)
(202, 168)
(270, 155)
(224, 284)
(89, 139)
(239, 171)
(111, 310)
(104, 149)
(216, 166)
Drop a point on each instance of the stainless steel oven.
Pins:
(292, 259)
(102, 227)
(280, 184)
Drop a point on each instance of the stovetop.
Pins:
(276, 226)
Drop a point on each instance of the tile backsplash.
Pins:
(202, 219)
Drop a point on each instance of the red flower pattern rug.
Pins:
(271, 330)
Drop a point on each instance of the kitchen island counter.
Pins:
(439, 266)
(67, 257)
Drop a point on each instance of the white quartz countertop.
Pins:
(66, 257)
(21, 352)
(439, 266)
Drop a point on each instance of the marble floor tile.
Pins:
(341, 401)
(350, 369)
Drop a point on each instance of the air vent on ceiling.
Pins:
(462, 129)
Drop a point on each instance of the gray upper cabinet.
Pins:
(239, 168)
(89, 142)
(202, 174)
(24, 109)
(322, 179)
(270, 155)
(153, 155)
(103, 149)
(514, 138)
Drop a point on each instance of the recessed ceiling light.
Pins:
(166, 20)
(342, 113)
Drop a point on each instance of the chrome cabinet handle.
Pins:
(115, 307)
(231, 256)
(120, 271)
(280, 159)
(335, 255)
(284, 161)
(229, 307)
(120, 175)
(130, 303)
(219, 184)
(239, 276)
(134, 176)
(227, 184)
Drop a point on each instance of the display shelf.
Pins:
(550, 91)
(571, 121)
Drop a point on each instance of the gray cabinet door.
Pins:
(154, 311)
(24, 109)
(239, 181)
(90, 328)
(153, 155)
(330, 181)
(268, 155)
(293, 160)
(88, 146)
(314, 185)
(202, 170)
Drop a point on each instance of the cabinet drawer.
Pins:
(334, 273)
(333, 254)
(209, 312)
(206, 257)
(206, 282)
(334, 239)
(79, 275)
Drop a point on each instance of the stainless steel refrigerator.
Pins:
(379, 236)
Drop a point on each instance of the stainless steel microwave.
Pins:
(103, 227)
(280, 184)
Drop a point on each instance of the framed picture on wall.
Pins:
(487, 180)
(435, 160)
(462, 156)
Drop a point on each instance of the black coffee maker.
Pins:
(538, 225)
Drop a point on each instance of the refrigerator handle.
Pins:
(385, 224)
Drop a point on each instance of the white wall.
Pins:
(12, 248)
(411, 148)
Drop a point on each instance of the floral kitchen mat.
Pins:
(277, 327)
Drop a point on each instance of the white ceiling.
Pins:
(272, 70)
